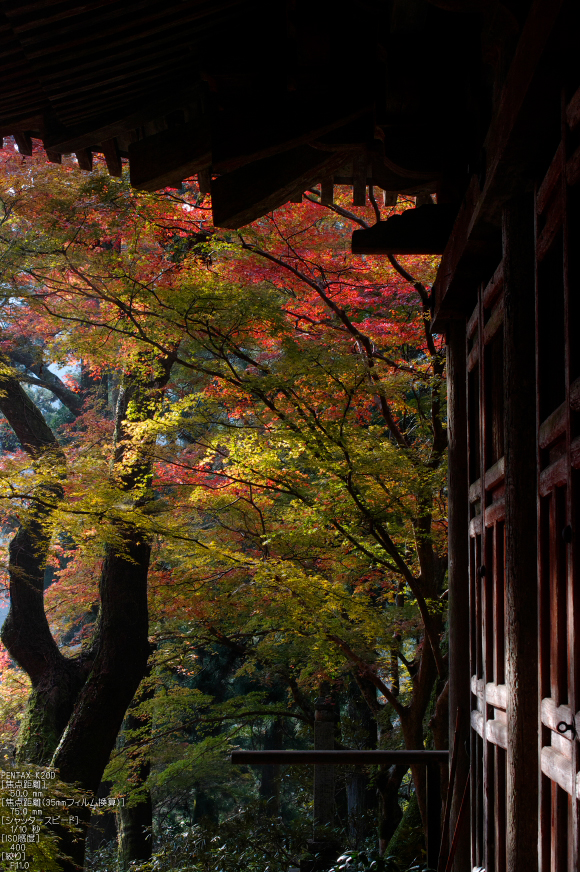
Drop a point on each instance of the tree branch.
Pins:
(369, 672)
(47, 379)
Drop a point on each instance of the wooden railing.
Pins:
(431, 759)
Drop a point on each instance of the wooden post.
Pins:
(359, 179)
(204, 180)
(521, 536)
(323, 847)
(324, 718)
(327, 191)
(458, 597)
(433, 815)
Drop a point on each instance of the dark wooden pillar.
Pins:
(324, 721)
(458, 597)
(322, 845)
(521, 539)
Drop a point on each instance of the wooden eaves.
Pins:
(268, 99)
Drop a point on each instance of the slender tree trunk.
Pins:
(413, 716)
(390, 814)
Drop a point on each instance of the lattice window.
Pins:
(558, 372)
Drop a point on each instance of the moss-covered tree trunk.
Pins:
(135, 822)
(77, 705)
(135, 819)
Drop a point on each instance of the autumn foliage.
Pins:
(281, 452)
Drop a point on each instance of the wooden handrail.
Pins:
(431, 759)
(337, 757)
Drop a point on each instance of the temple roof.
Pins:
(266, 98)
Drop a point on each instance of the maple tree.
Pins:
(274, 473)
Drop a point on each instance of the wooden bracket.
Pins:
(242, 196)
(327, 191)
(166, 158)
(204, 181)
(24, 142)
(84, 157)
(425, 230)
(54, 156)
(110, 151)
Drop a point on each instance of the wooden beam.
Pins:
(54, 156)
(423, 199)
(350, 136)
(166, 158)
(386, 178)
(245, 135)
(116, 123)
(415, 231)
(30, 122)
(252, 191)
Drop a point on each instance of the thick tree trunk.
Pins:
(55, 679)
(135, 828)
(48, 709)
(31, 357)
(135, 831)
(77, 705)
(119, 664)
(120, 651)
(103, 825)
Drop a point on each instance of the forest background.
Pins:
(222, 492)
